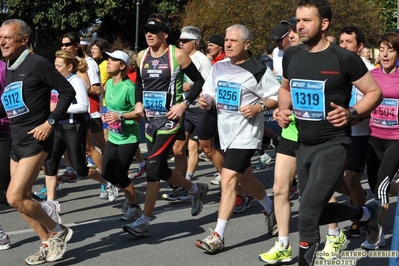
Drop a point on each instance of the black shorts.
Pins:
(238, 160)
(19, 152)
(287, 147)
(357, 154)
(95, 125)
(200, 121)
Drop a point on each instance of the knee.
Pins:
(178, 150)
(280, 190)
(14, 201)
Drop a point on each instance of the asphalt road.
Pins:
(99, 239)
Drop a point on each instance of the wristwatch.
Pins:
(264, 108)
(121, 117)
(186, 103)
(352, 113)
(51, 121)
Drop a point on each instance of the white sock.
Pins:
(333, 232)
(69, 169)
(146, 219)
(221, 227)
(267, 204)
(57, 228)
(194, 189)
(366, 214)
(189, 176)
(46, 243)
(284, 241)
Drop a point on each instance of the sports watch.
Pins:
(352, 113)
(51, 121)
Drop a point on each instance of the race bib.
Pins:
(154, 103)
(115, 127)
(386, 114)
(308, 99)
(13, 101)
(228, 96)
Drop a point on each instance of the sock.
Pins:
(366, 214)
(189, 175)
(146, 219)
(333, 232)
(194, 189)
(69, 169)
(284, 241)
(221, 227)
(267, 204)
(57, 228)
(142, 164)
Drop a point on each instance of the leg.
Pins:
(192, 161)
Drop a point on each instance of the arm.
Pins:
(82, 101)
(284, 104)
(138, 107)
(189, 68)
(372, 98)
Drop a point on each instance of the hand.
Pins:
(283, 117)
(250, 110)
(339, 116)
(275, 114)
(176, 111)
(205, 101)
(41, 132)
(111, 117)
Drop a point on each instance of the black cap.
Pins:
(279, 32)
(291, 22)
(216, 39)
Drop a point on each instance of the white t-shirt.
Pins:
(278, 63)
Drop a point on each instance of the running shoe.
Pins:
(39, 257)
(373, 246)
(139, 198)
(58, 244)
(277, 254)
(203, 157)
(67, 177)
(243, 203)
(52, 208)
(355, 230)
(138, 228)
(90, 162)
(177, 194)
(42, 194)
(133, 212)
(271, 222)
(140, 172)
(103, 193)
(217, 180)
(373, 226)
(333, 246)
(213, 243)
(196, 200)
(5, 242)
(263, 161)
(112, 192)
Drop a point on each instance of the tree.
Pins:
(213, 17)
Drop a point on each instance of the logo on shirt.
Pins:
(155, 63)
(329, 72)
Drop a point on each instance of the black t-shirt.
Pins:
(335, 66)
(38, 78)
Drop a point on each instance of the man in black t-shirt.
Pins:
(26, 102)
(318, 93)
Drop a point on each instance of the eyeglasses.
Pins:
(186, 40)
(66, 44)
(146, 30)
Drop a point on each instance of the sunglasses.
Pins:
(186, 40)
(151, 31)
(66, 44)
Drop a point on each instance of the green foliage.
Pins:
(260, 16)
